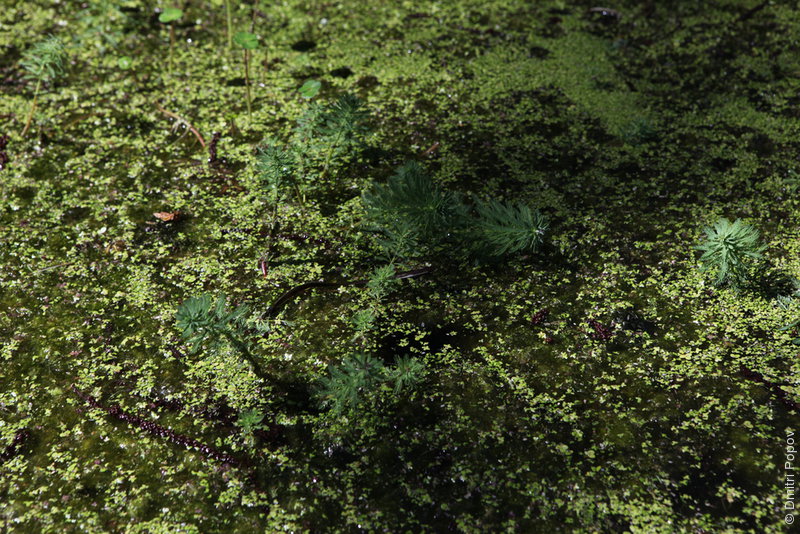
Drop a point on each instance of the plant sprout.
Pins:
(43, 62)
(202, 321)
(728, 250)
(168, 16)
(247, 41)
(506, 228)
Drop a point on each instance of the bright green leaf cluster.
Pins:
(729, 251)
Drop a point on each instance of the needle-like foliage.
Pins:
(345, 385)
(729, 251)
(508, 227)
(407, 373)
(276, 168)
(43, 62)
(204, 322)
(345, 119)
(414, 216)
(410, 209)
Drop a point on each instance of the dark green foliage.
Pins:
(276, 168)
(345, 385)
(324, 134)
(508, 227)
(412, 212)
(205, 323)
(364, 321)
(250, 421)
(730, 250)
(202, 320)
(637, 131)
(407, 373)
(381, 282)
(414, 216)
(345, 120)
(341, 123)
(45, 60)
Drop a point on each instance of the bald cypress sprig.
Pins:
(43, 63)
(730, 250)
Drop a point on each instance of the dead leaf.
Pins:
(167, 216)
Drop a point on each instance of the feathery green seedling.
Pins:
(411, 211)
(168, 16)
(380, 283)
(414, 217)
(358, 375)
(730, 250)
(250, 421)
(203, 322)
(407, 373)
(505, 228)
(247, 41)
(43, 63)
(345, 384)
(276, 168)
(343, 123)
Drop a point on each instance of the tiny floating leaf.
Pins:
(246, 40)
(170, 14)
(310, 89)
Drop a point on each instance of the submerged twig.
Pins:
(155, 429)
(183, 121)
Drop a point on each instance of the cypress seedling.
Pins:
(730, 249)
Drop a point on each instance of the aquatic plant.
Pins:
(346, 383)
(310, 89)
(414, 216)
(247, 41)
(361, 373)
(342, 124)
(168, 16)
(363, 322)
(407, 373)
(276, 167)
(43, 63)
(729, 251)
(250, 421)
(507, 227)
(412, 212)
(204, 322)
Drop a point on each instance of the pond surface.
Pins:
(600, 382)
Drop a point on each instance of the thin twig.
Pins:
(184, 122)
